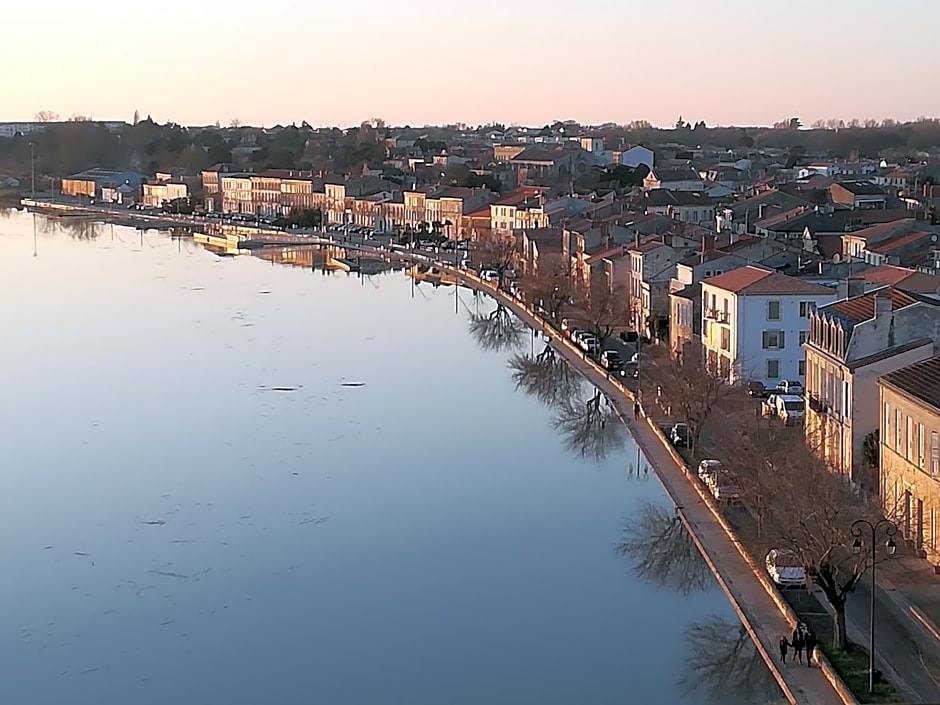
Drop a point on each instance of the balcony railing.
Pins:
(820, 406)
(713, 314)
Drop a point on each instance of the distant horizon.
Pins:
(69, 117)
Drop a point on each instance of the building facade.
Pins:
(910, 454)
(754, 322)
(852, 343)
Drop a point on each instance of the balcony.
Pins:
(820, 406)
(713, 314)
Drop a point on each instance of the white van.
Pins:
(789, 408)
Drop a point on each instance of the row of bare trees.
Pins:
(792, 498)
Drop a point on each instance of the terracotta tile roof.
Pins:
(519, 196)
(875, 233)
(751, 280)
(920, 380)
(907, 279)
(862, 308)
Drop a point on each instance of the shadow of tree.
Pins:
(724, 666)
(663, 553)
(78, 228)
(497, 330)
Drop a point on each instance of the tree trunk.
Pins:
(839, 639)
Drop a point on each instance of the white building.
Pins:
(754, 322)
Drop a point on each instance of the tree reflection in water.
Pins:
(545, 376)
(590, 429)
(78, 228)
(663, 553)
(724, 666)
(497, 330)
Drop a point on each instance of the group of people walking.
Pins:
(803, 638)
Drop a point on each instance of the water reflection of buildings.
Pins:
(329, 258)
(432, 275)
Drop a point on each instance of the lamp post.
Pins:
(890, 529)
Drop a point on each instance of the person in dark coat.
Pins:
(636, 409)
(797, 642)
(784, 645)
(809, 641)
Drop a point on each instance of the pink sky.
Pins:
(422, 62)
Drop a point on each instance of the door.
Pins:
(919, 524)
(906, 517)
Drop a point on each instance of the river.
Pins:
(227, 480)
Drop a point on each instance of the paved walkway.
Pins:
(762, 615)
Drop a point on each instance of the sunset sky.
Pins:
(513, 61)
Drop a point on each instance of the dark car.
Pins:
(757, 390)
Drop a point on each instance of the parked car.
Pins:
(707, 468)
(638, 357)
(789, 386)
(589, 343)
(784, 568)
(723, 487)
(489, 275)
(757, 390)
(789, 408)
(611, 360)
(679, 436)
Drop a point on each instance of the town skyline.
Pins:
(443, 63)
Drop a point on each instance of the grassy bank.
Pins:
(852, 667)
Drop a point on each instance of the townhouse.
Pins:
(851, 343)
(652, 264)
(909, 454)
(754, 321)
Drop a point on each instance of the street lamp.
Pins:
(890, 529)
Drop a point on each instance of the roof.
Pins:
(664, 197)
(862, 308)
(876, 233)
(861, 188)
(907, 279)
(755, 281)
(900, 241)
(676, 174)
(609, 253)
(920, 380)
(692, 292)
(519, 196)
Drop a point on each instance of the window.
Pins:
(773, 369)
(802, 368)
(887, 424)
(921, 458)
(806, 307)
(773, 340)
(897, 431)
(773, 310)
(803, 334)
(909, 449)
(726, 339)
(935, 454)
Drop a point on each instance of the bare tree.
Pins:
(662, 551)
(590, 429)
(81, 228)
(498, 251)
(693, 392)
(800, 505)
(78, 117)
(604, 308)
(46, 116)
(724, 665)
(235, 123)
(497, 330)
(550, 286)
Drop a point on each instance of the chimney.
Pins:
(882, 305)
(855, 286)
(761, 211)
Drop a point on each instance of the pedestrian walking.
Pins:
(784, 646)
(798, 642)
(636, 410)
(809, 641)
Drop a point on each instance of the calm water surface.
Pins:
(175, 530)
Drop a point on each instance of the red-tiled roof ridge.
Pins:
(907, 279)
(862, 308)
(757, 281)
